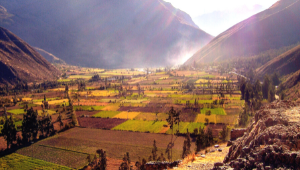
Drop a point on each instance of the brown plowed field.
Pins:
(89, 113)
(115, 143)
(99, 123)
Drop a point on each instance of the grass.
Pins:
(16, 111)
(64, 80)
(112, 107)
(50, 112)
(201, 81)
(201, 118)
(105, 114)
(126, 115)
(186, 126)
(101, 93)
(134, 101)
(54, 102)
(26, 99)
(80, 77)
(141, 126)
(52, 155)
(215, 111)
(20, 162)
(152, 116)
(47, 99)
(89, 108)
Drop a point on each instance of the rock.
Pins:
(217, 164)
(229, 143)
(269, 141)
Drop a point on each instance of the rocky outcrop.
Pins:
(236, 133)
(272, 140)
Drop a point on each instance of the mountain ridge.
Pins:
(20, 62)
(254, 35)
(107, 34)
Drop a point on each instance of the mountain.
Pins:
(276, 27)
(20, 62)
(284, 64)
(107, 34)
(50, 57)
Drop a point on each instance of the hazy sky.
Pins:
(216, 16)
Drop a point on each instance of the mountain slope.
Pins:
(286, 63)
(20, 62)
(109, 34)
(273, 28)
(49, 57)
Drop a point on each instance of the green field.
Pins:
(141, 126)
(184, 126)
(20, 162)
(16, 111)
(106, 114)
(215, 111)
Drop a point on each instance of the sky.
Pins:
(216, 16)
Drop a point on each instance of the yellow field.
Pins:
(113, 107)
(201, 118)
(53, 102)
(99, 93)
(127, 115)
(201, 81)
(26, 99)
(165, 92)
(47, 112)
(57, 89)
(163, 78)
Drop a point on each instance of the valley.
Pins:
(125, 109)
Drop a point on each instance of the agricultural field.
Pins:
(121, 111)
(17, 161)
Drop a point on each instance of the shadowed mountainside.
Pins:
(107, 34)
(20, 62)
(273, 28)
(286, 63)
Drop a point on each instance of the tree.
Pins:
(125, 165)
(224, 133)
(172, 120)
(89, 159)
(102, 163)
(271, 93)
(200, 139)
(209, 136)
(186, 145)
(242, 87)
(154, 150)
(141, 165)
(9, 131)
(275, 79)
(30, 125)
(265, 87)
(59, 119)
(243, 116)
(257, 89)
(206, 121)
